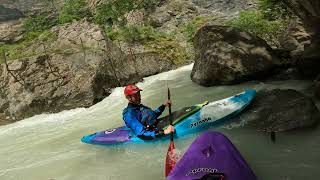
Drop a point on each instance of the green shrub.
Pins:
(255, 23)
(33, 26)
(140, 33)
(18, 50)
(191, 27)
(47, 36)
(132, 34)
(37, 23)
(29, 36)
(152, 40)
(148, 4)
(74, 10)
(15, 51)
(169, 49)
(274, 9)
(113, 11)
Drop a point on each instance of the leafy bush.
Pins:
(274, 9)
(74, 10)
(31, 35)
(148, 4)
(255, 23)
(18, 50)
(161, 43)
(33, 26)
(132, 34)
(170, 49)
(47, 36)
(38, 23)
(15, 51)
(190, 28)
(114, 11)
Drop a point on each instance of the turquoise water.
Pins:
(48, 147)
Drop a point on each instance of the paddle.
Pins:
(170, 160)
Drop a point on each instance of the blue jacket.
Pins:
(139, 117)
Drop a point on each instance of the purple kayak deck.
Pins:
(212, 152)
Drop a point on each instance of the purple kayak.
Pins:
(212, 153)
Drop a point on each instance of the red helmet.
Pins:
(131, 89)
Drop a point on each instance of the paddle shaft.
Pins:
(170, 160)
(170, 115)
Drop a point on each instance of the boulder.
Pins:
(10, 31)
(14, 9)
(228, 8)
(309, 62)
(281, 110)
(296, 38)
(77, 69)
(309, 12)
(149, 63)
(7, 14)
(226, 55)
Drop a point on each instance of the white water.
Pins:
(48, 147)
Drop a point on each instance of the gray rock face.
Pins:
(45, 84)
(10, 31)
(13, 9)
(12, 13)
(282, 110)
(296, 38)
(81, 74)
(149, 63)
(309, 62)
(174, 13)
(7, 14)
(225, 55)
(228, 7)
(309, 12)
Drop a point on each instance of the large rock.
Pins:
(12, 13)
(149, 63)
(14, 9)
(7, 14)
(78, 69)
(225, 55)
(10, 31)
(309, 12)
(171, 14)
(296, 38)
(227, 8)
(309, 62)
(282, 110)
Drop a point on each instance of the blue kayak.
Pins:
(186, 120)
(212, 156)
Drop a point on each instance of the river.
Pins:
(48, 147)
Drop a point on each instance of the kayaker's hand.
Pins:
(169, 130)
(167, 102)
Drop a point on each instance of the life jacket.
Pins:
(145, 115)
(148, 116)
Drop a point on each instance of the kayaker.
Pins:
(141, 119)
